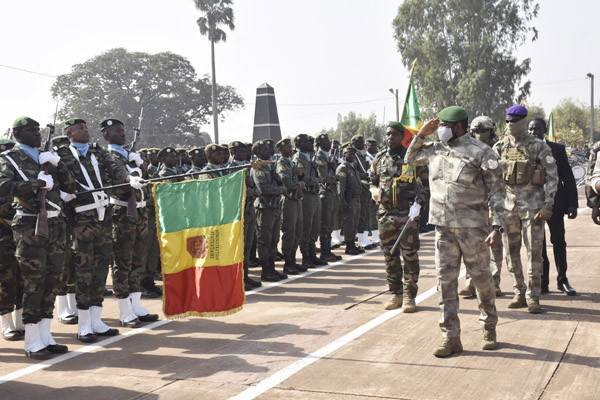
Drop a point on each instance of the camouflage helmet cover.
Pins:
(482, 122)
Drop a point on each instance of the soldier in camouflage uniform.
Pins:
(91, 229)
(531, 180)
(41, 259)
(400, 195)
(268, 212)
(484, 129)
(465, 180)
(362, 167)
(129, 227)
(326, 167)
(11, 282)
(349, 188)
(311, 204)
(238, 150)
(214, 155)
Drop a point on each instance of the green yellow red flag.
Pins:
(551, 132)
(200, 232)
(411, 114)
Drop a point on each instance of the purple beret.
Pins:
(517, 110)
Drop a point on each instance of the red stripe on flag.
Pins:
(210, 289)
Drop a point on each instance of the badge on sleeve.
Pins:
(492, 164)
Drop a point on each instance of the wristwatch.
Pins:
(498, 228)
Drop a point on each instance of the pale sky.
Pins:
(323, 57)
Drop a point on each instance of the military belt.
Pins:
(117, 202)
(92, 206)
(51, 214)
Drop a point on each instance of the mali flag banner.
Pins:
(551, 132)
(200, 230)
(411, 114)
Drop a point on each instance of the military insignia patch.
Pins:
(492, 164)
(281, 168)
(342, 173)
(319, 162)
(300, 165)
(550, 159)
(260, 173)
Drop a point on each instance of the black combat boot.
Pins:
(313, 256)
(326, 253)
(351, 248)
(306, 260)
(290, 265)
(280, 274)
(268, 274)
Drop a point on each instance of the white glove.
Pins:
(414, 211)
(133, 171)
(46, 156)
(46, 178)
(136, 157)
(67, 197)
(136, 182)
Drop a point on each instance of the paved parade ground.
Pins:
(325, 335)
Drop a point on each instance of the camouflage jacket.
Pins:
(270, 191)
(593, 172)
(349, 186)
(326, 167)
(7, 212)
(539, 176)
(117, 164)
(104, 163)
(286, 169)
(400, 184)
(465, 178)
(309, 173)
(12, 184)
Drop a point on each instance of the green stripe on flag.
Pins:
(412, 113)
(198, 204)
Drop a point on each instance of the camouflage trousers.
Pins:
(311, 220)
(468, 244)
(327, 206)
(129, 244)
(41, 261)
(68, 277)
(11, 282)
(152, 265)
(496, 257)
(268, 223)
(390, 225)
(291, 225)
(91, 257)
(350, 219)
(530, 231)
(249, 232)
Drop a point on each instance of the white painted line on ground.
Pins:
(87, 349)
(280, 376)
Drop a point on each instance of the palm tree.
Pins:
(215, 13)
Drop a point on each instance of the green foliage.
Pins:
(353, 124)
(571, 136)
(536, 111)
(118, 84)
(215, 13)
(465, 51)
(571, 118)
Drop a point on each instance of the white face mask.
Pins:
(444, 133)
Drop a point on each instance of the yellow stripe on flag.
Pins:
(211, 246)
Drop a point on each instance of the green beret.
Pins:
(395, 125)
(107, 123)
(59, 140)
(356, 138)
(453, 114)
(214, 147)
(372, 139)
(166, 151)
(74, 121)
(22, 122)
(6, 144)
(236, 144)
(300, 137)
(195, 150)
(283, 142)
(257, 145)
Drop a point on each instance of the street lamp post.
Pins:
(591, 76)
(395, 93)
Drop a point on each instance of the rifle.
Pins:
(132, 202)
(41, 225)
(254, 165)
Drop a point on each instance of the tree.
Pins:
(466, 52)
(216, 13)
(353, 124)
(571, 136)
(535, 111)
(118, 84)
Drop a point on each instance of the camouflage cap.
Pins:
(6, 144)
(237, 144)
(195, 150)
(283, 142)
(73, 121)
(396, 125)
(23, 122)
(482, 122)
(355, 138)
(453, 114)
(167, 150)
(107, 123)
(214, 147)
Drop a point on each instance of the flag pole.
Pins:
(412, 69)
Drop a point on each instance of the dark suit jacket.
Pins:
(566, 194)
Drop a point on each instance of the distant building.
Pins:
(266, 120)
